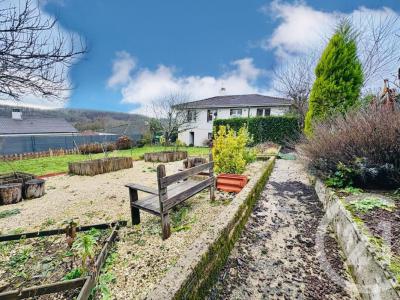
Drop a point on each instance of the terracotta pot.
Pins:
(231, 182)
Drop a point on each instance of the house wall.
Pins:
(201, 128)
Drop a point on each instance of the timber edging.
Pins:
(198, 267)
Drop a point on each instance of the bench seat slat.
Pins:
(151, 204)
(142, 188)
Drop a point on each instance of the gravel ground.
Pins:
(97, 199)
(276, 256)
(142, 258)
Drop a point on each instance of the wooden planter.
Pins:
(10, 193)
(33, 188)
(165, 156)
(191, 162)
(17, 177)
(100, 166)
(231, 183)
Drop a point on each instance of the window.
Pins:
(236, 112)
(210, 136)
(191, 115)
(263, 112)
(211, 114)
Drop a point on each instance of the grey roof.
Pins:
(35, 126)
(252, 100)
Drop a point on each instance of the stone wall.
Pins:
(199, 266)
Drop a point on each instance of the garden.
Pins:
(140, 258)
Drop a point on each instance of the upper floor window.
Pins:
(263, 112)
(191, 115)
(211, 114)
(236, 112)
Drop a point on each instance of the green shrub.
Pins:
(230, 152)
(339, 78)
(277, 129)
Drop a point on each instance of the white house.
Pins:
(202, 113)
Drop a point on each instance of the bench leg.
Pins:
(212, 190)
(166, 229)
(135, 213)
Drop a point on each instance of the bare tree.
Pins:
(378, 46)
(34, 53)
(294, 80)
(173, 115)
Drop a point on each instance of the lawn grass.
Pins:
(57, 164)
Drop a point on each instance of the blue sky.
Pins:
(139, 50)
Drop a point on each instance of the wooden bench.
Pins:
(172, 190)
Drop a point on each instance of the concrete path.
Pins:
(276, 256)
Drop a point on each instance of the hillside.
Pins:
(102, 121)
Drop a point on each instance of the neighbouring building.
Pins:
(17, 125)
(202, 113)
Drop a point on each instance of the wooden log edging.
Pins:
(27, 235)
(165, 156)
(30, 155)
(87, 283)
(199, 266)
(100, 166)
(370, 273)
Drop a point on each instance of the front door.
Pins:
(191, 138)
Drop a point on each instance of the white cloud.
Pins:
(302, 30)
(301, 27)
(123, 64)
(145, 85)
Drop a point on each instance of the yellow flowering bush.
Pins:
(230, 152)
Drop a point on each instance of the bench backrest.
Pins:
(164, 181)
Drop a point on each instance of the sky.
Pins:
(139, 51)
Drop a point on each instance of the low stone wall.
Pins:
(99, 166)
(372, 276)
(199, 266)
(165, 156)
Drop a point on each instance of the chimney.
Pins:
(16, 114)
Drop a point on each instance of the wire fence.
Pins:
(25, 144)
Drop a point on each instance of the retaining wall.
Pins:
(372, 276)
(199, 266)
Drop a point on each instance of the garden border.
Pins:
(86, 283)
(364, 266)
(199, 266)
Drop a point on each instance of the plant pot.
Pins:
(33, 188)
(10, 193)
(231, 183)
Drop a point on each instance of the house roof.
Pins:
(251, 100)
(35, 126)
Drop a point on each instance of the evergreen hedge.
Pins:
(277, 129)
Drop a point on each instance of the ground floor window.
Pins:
(210, 135)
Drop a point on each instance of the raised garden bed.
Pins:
(165, 156)
(367, 224)
(17, 186)
(99, 166)
(47, 263)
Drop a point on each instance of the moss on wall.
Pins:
(206, 272)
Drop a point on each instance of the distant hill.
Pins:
(101, 121)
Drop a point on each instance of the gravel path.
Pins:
(276, 256)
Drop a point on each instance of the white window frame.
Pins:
(236, 112)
